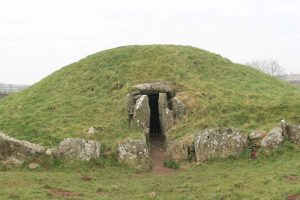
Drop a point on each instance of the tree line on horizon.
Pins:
(271, 67)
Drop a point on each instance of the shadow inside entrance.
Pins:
(154, 115)
(157, 139)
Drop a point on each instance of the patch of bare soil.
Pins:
(293, 197)
(63, 193)
(291, 178)
(102, 192)
(86, 178)
(158, 157)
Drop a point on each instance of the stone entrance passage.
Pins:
(155, 129)
(154, 108)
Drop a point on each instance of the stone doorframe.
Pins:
(170, 108)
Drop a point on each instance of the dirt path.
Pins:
(158, 157)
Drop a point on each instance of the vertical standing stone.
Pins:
(135, 153)
(179, 108)
(141, 116)
(165, 114)
(130, 105)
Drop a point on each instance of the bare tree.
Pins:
(271, 67)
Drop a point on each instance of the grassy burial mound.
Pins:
(92, 93)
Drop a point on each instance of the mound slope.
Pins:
(91, 93)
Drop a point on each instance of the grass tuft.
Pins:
(171, 164)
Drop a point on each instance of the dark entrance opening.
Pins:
(156, 137)
(155, 129)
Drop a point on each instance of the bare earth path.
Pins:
(158, 157)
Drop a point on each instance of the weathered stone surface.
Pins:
(273, 139)
(285, 129)
(156, 87)
(152, 195)
(141, 115)
(294, 134)
(92, 131)
(179, 108)
(257, 135)
(219, 143)
(130, 104)
(134, 153)
(12, 162)
(20, 150)
(182, 149)
(165, 114)
(77, 149)
(49, 151)
(290, 132)
(33, 165)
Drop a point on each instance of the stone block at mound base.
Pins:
(17, 149)
(182, 149)
(77, 149)
(290, 132)
(134, 153)
(224, 142)
(256, 137)
(273, 139)
(294, 134)
(12, 162)
(179, 108)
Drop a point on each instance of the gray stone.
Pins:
(222, 143)
(49, 151)
(273, 139)
(136, 97)
(156, 87)
(182, 149)
(179, 108)
(294, 134)
(152, 195)
(77, 149)
(165, 114)
(130, 105)
(21, 150)
(285, 129)
(12, 162)
(290, 132)
(134, 153)
(92, 131)
(257, 135)
(141, 117)
(33, 165)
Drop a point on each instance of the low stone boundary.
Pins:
(14, 152)
(200, 147)
(224, 142)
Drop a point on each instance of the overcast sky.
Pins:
(38, 37)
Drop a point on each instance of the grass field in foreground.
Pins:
(231, 178)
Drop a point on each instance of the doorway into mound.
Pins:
(155, 127)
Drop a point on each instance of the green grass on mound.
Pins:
(92, 92)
